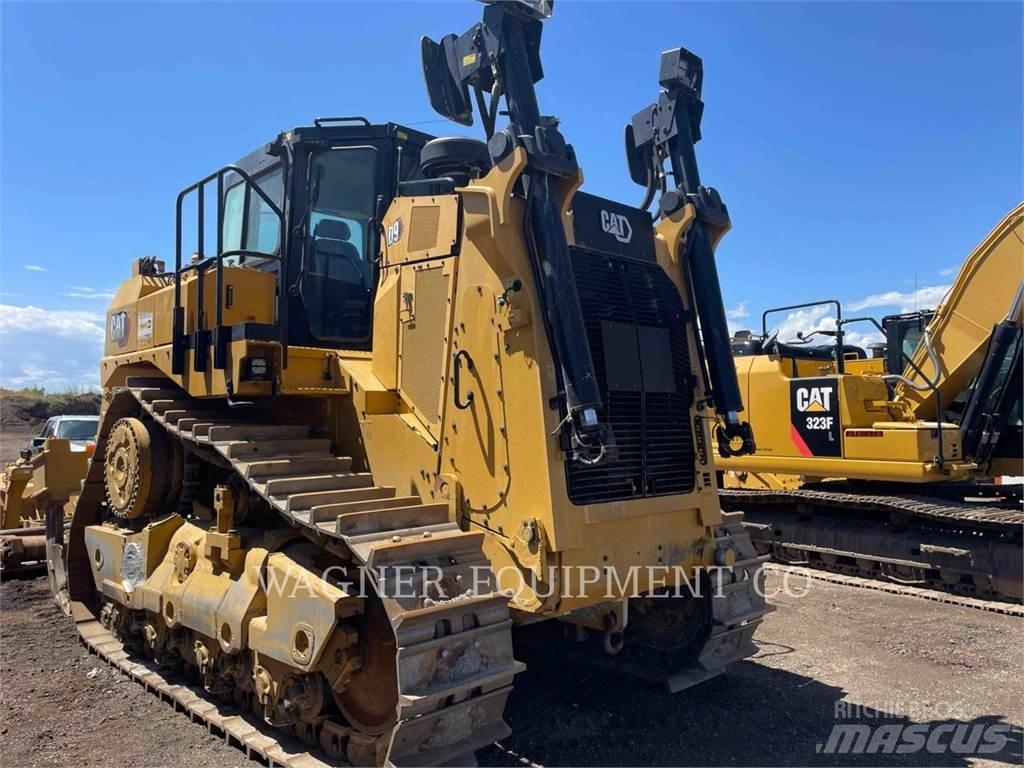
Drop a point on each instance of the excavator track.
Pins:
(454, 656)
(892, 588)
(968, 548)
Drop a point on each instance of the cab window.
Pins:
(77, 429)
(338, 260)
(262, 227)
(911, 339)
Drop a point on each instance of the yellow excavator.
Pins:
(886, 463)
(420, 389)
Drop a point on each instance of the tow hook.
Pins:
(614, 628)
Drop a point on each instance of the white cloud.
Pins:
(734, 314)
(928, 297)
(804, 321)
(35, 268)
(738, 312)
(81, 292)
(822, 318)
(949, 271)
(52, 348)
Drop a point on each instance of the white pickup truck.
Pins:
(80, 430)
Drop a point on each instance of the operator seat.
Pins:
(337, 286)
(335, 255)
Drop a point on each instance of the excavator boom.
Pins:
(980, 298)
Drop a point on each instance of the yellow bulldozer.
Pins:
(420, 390)
(47, 476)
(886, 463)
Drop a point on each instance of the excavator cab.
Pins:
(903, 333)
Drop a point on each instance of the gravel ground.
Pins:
(838, 646)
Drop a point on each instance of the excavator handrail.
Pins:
(839, 353)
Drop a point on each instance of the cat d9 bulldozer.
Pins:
(886, 466)
(421, 389)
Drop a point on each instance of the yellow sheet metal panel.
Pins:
(386, 327)
(477, 432)
(420, 228)
(425, 318)
(902, 442)
(862, 400)
(311, 370)
(139, 317)
(642, 554)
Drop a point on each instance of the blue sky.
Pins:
(863, 148)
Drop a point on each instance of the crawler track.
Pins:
(453, 654)
(256, 738)
(971, 549)
(992, 606)
(446, 710)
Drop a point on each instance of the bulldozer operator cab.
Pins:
(307, 208)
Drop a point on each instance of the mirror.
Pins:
(449, 96)
(638, 159)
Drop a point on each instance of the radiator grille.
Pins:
(645, 383)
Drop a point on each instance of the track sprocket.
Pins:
(139, 468)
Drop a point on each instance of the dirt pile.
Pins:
(27, 409)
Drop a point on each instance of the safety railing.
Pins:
(840, 361)
(201, 335)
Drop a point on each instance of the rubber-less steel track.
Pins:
(978, 515)
(454, 656)
(858, 582)
(256, 738)
(969, 548)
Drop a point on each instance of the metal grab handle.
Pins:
(319, 121)
(457, 379)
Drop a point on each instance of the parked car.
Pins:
(80, 430)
